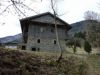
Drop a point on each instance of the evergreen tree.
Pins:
(80, 35)
(87, 47)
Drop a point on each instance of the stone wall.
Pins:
(42, 38)
(36, 31)
(45, 44)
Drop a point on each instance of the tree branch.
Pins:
(16, 4)
(5, 9)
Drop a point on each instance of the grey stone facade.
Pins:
(41, 33)
(46, 37)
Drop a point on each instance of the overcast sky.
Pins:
(71, 10)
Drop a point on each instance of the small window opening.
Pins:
(38, 41)
(38, 49)
(23, 47)
(33, 49)
(41, 29)
(55, 42)
(52, 30)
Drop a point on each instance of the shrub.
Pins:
(87, 47)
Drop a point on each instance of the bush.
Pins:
(87, 47)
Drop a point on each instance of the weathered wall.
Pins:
(36, 31)
(46, 37)
(45, 44)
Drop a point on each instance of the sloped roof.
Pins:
(35, 18)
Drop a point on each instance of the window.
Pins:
(38, 41)
(33, 49)
(55, 42)
(52, 30)
(41, 29)
(66, 39)
(23, 47)
(38, 49)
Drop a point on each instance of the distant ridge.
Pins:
(79, 27)
(15, 39)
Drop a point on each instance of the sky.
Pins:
(70, 11)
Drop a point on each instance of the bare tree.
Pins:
(53, 4)
(91, 15)
(19, 6)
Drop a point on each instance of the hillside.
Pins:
(77, 27)
(14, 62)
(11, 39)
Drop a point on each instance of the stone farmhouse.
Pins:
(39, 32)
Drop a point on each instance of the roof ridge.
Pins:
(40, 14)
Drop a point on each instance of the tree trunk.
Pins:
(56, 31)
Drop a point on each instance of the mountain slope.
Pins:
(16, 39)
(78, 27)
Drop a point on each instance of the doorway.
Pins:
(23, 47)
(33, 49)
